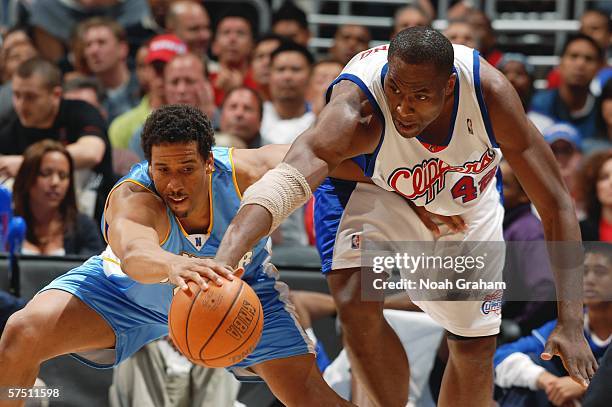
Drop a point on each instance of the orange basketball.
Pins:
(218, 327)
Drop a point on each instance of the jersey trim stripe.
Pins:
(231, 160)
(370, 159)
(481, 103)
(212, 210)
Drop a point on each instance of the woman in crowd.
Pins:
(43, 194)
(597, 196)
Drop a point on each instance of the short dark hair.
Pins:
(423, 45)
(291, 12)
(269, 36)
(40, 66)
(252, 91)
(85, 82)
(602, 14)
(177, 124)
(583, 37)
(291, 46)
(100, 21)
(234, 12)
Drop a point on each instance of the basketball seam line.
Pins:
(187, 324)
(221, 321)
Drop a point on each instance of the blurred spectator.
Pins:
(409, 16)
(17, 47)
(528, 380)
(54, 20)
(261, 62)
(87, 89)
(44, 196)
(603, 136)
(185, 82)
(520, 73)
(596, 181)
(566, 144)
(159, 11)
(596, 24)
(190, 22)
(573, 102)
(158, 375)
(241, 115)
(349, 40)
(162, 49)
(232, 46)
(106, 51)
(41, 112)
(528, 270)
(485, 36)
(289, 21)
(287, 114)
(323, 74)
(142, 69)
(461, 32)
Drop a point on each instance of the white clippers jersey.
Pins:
(447, 180)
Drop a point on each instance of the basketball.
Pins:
(218, 327)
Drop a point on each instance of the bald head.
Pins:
(189, 20)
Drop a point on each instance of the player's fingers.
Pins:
(430, 224)
(459, 223)
(197, 278)
(182, 284)
(239, 272)
(592, 368)
(575, 372)
(225, 272)
(210, 275)
(550, 349)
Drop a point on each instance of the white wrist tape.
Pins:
(281, 191)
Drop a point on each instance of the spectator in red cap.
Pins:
(162, 49)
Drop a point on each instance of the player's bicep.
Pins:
(133, 217)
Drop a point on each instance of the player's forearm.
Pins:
(146, 263)
(565, 250)
(87, 154)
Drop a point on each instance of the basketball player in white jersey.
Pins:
(428, 121)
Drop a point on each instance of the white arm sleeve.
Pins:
(518, 370)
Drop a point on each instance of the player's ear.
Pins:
(210, 163)
(450, 84)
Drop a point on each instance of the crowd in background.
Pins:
(79, 78)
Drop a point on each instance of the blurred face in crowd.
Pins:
(261, 60)
(595, 25)
(460, 32)
(513, 192)
(349, 41)
(606, 112)
(241, 115)
(233, 41)
(14, 55)
(88, 95)
(579, 64)
(597, 279)
(323, 74)
(185, 82)
(292, 30)
(289, 76)
(409, 17)
(103, 51)
(482, 30)
(192, 25)
(604, 184)
(519, 78)
(143, 70)
(35, 103)
(52, 182)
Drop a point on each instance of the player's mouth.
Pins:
(406, 127)
(177, 200)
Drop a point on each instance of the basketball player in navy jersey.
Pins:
(428, 122)
(162, 221)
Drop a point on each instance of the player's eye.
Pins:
(422, 97)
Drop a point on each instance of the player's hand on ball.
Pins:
(569, 343)
(200, 271)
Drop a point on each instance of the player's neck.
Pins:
(198, 221)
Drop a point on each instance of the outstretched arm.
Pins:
(137, 226)
(537, 171)
(347, 127)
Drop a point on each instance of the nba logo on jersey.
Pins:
(356, 241)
